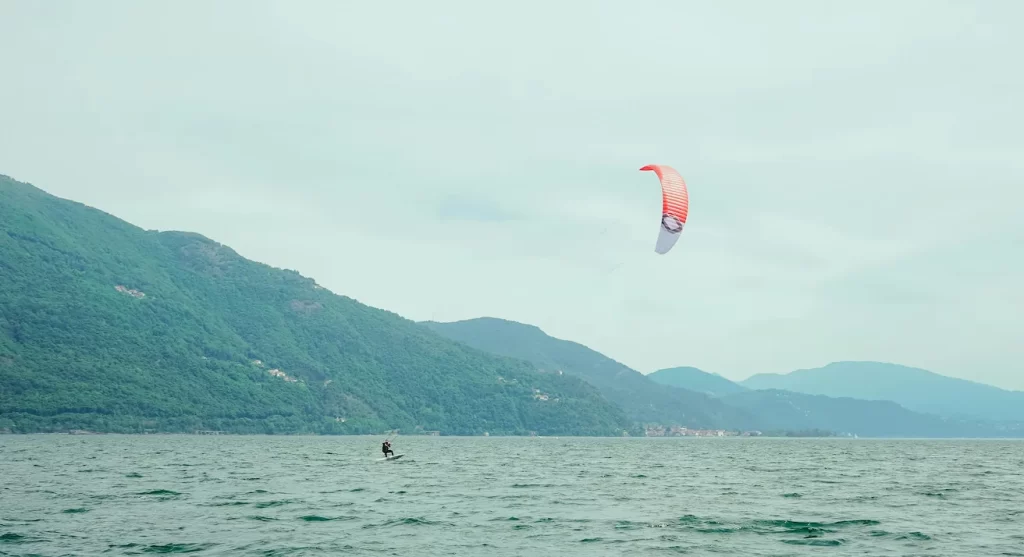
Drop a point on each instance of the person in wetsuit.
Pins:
(386, 448)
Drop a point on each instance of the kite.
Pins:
(675, 204)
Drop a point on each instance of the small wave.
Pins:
(161, 492)
(281, 552)
(689, 519)
(630, 525)
(792, 495)
(816, 542)
(412, 521)
(318, 518)
(178, 548)
(11, 537)
(941, 493)
(75, 511)
(916, 536)
(861, 522)
(508, 497)
(798, 525)
(719, 530)
(809, 531)
(270, 504)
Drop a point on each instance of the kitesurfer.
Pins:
(386, 448)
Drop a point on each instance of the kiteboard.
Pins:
(392, 457)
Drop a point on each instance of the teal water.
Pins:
(236, 495)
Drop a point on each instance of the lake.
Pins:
(493, 496)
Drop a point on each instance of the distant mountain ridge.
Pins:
(771, 410)
(791, 411)
(914, 388)
(756, 409)
(787, 410)
(696, 380)
(643, 400)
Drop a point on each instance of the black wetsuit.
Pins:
(386, 448)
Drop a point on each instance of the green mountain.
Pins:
(106, 326)
(643, 400)
(696, 380)
(914, 388)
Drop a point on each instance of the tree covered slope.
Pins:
(696, 380)
(109, 327)
(643, 400)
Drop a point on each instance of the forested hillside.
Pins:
(642, 399)
(109, 327)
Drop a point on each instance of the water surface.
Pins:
(238, 495)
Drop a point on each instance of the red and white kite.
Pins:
(675, 204)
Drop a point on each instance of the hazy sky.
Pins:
(855, 168)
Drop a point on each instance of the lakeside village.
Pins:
(678, 431)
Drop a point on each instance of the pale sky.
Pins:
(855, 168)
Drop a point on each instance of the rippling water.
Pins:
(127, 495)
